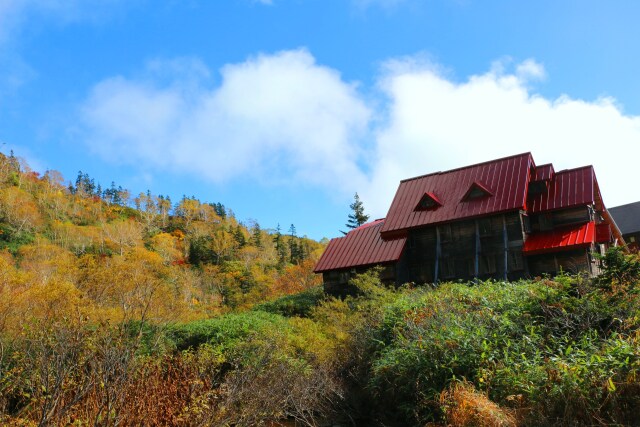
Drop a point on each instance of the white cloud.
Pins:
(284, 117)
(435, 123)
(273, 118)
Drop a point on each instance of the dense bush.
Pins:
(545, 352)
(540, 347)
(222, 331)
(300, 304)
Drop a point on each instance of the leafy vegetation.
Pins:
(143, 313)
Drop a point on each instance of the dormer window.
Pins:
(537, 187)
(429, 201)
(476, 191)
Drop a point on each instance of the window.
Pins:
(476, 191)
(429, 201)
(537, 187)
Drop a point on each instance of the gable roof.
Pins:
(567, 188)
(360, 247)
(505, 178)
(544, 172)
(627, 217)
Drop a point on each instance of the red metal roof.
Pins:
(370, 224)
(543, 172)
(556, 240)
(506, 179)
(572, 187)
(360, 247)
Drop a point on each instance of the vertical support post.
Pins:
(437, 267)
(525, 260)
(476, 269)
(505, 240)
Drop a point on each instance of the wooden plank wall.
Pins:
(459, 242)
(569, 261)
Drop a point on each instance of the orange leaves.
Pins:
(19, 209)
(465, 406)
(296, 278)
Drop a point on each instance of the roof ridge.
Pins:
(373, 223)
(574, 169)
(468, 166)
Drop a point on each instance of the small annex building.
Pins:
(627, 217)
(504, 219)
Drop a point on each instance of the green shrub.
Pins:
(538, 344)
(223, 331)
(300, 304)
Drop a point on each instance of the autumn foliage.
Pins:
(120, 310)
(68, 250)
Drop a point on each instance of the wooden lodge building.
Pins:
(503, 219)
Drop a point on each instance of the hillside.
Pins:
(80, 251)
(131, 311)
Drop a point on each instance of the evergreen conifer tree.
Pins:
(294, 252)
(280, 247)
(256, 236)
(357, 217)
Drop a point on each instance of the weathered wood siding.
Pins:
(497, 240)
(550, 220)
(568, 261)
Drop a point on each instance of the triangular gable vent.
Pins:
(476, 191)
(429, 201)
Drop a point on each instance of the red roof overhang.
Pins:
(361, 247)
(558, 240)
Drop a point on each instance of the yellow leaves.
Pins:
(78, 239)
(133, 287)
(45, 261)
(167, 246)
(19, 209)
(123, 234)
(52, 301)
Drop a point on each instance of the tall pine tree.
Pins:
(357, 217)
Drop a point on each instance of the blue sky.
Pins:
(282, 109)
